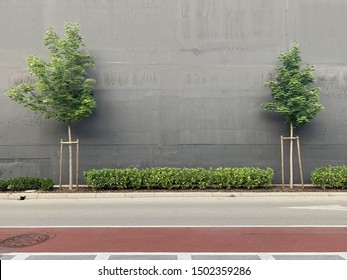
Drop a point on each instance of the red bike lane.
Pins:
(173, 239)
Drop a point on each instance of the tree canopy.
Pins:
(62, 87)
(294, 98)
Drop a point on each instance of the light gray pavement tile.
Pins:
(6, 257)
(61, 257)
(225, 257)
(143, 257)
(308, 257)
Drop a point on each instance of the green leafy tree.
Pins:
(62, 89)
(294, 97)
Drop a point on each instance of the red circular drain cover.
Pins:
(25, 240)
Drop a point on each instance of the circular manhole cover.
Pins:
(25, 240)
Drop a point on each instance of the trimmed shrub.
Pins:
(179, 178)
(46, 184)
(29, 183)
(330, 177)
(3, 185)
(99, 179)
(158, 178)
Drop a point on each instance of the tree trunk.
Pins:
(291, 158)
(70, 154)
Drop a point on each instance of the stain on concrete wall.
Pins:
(179, 82)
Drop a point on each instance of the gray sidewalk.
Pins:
(82, 195)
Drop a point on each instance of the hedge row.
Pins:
(330, 176)
(26, 183)
(178, 178)
(181, 178)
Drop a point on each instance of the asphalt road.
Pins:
(178, 211)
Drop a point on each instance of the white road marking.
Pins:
(180, 256)
(102, 257)
(19, 257)
(184, 256)
(320, 207)
(266, 256)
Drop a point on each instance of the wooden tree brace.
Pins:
(290, 138)
(299, 158)
(62, 143)
(72, 142)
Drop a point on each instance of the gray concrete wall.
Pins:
(179, 82)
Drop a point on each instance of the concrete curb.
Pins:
(38, 195)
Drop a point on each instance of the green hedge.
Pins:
(179, 178)
(26, 183)
(3, 185)
(330, 176)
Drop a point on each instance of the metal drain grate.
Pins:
(25, 240)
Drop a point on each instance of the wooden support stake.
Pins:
(61, 159)
(300, 166)
(282, 161)
(77, 152)
(291, 158)
(299, 160)
(61, 162)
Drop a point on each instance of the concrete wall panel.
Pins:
(179, 82)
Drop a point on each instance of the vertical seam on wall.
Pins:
(286, 21)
